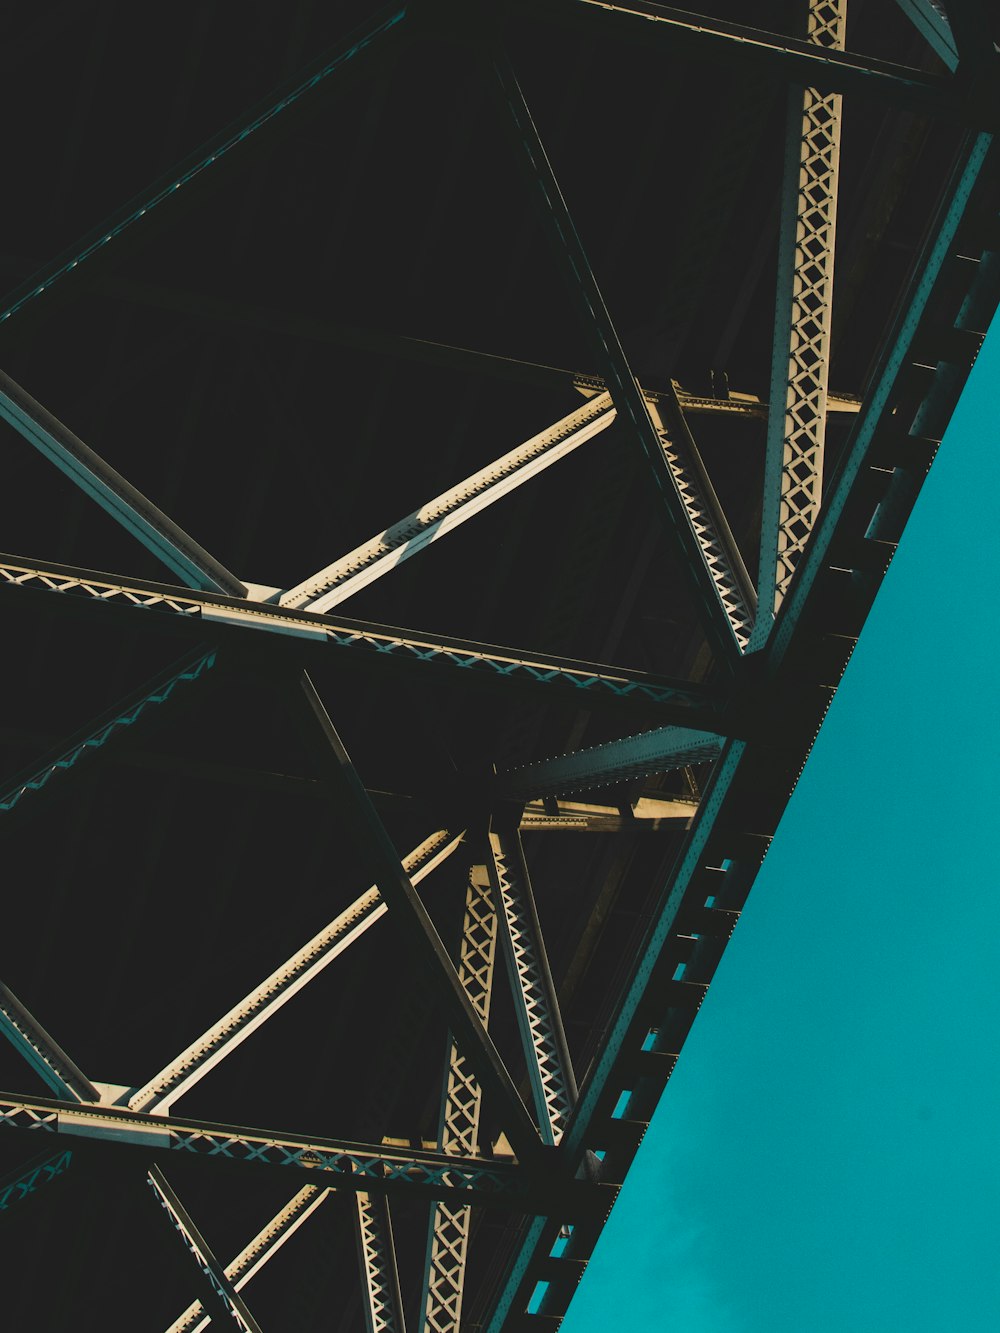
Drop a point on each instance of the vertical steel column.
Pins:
(796, 426)
(545, 1049)
(448, 1234)
(382, 1303)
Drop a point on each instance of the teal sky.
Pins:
(825, 1159)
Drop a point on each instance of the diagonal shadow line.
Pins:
(612, 361)
(211, 152)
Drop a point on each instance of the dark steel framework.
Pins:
(731, 736)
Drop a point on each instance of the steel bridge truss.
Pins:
(826, 543)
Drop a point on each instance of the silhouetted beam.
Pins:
(686, 514)
(649, 815)
(225, 1298)
(49, 1060)
(425, 944)
(113, 723)
(614, 761)
(787, 58)
(420, 656)
(264, 1246)
(241, 316)
(206, 156)
(972, 26)
(159, 534)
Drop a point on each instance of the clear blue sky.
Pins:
(825, 1158)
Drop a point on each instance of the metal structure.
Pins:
(240, 339)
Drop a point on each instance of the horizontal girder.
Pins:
(343, 1164)
(505, 669)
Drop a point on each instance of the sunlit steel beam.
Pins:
(264, 1246)
(800, 363)
(546, 1051)
(265, 1000)
(404, 539)
(647, 815)
(458, 1126)
(382, 1303)
(713, 537)
(343, 1164)
(420, 656)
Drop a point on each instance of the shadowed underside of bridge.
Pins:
(450, 452)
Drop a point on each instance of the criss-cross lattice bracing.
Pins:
(796, 431)
(26, 1179)
(546, 1052)
(709, 529)
(746, 718)
(614, 761)
(381, 1302)
(448, 1233)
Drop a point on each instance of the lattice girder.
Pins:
(796, 438)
